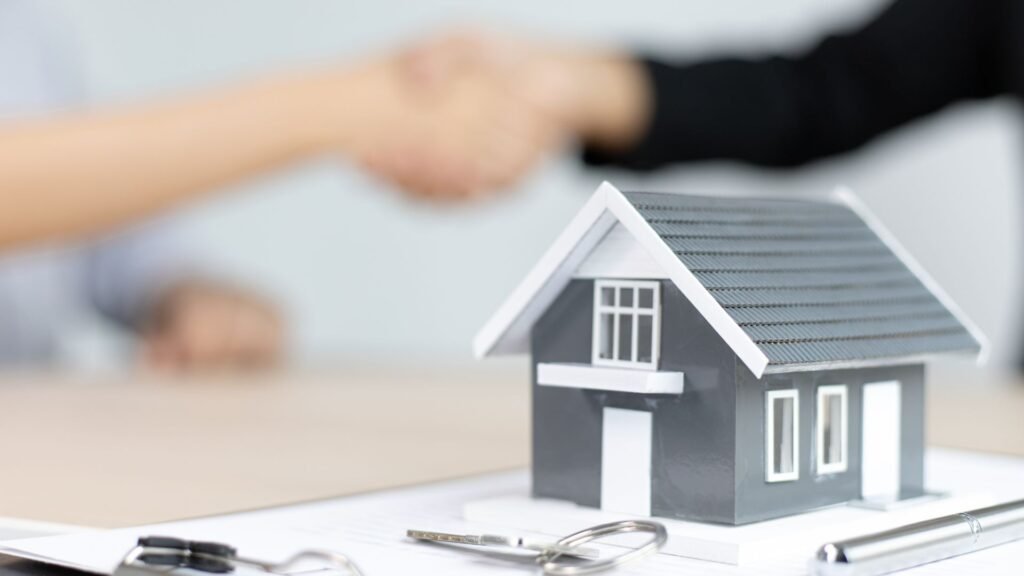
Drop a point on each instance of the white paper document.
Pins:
(17, 529)
(370, 529)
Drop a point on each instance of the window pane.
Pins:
(626, 297)
(626, 337)
(606, 329)
(783, 434)
(832, 441)
(608, 296)
(647, 298)
(645, 338)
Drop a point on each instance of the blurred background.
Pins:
(363, 275)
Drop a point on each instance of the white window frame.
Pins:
(844, 443)
(635, 311)
(769, 435)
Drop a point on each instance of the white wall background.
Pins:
(363, 273)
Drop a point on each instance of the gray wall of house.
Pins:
(694, 442)
(708, 444)
(760, 500)
(566, 422)
(694, 434)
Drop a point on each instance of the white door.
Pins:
(626, 462)
(880, 442)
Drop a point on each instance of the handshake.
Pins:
(464, 114)
(452, 118)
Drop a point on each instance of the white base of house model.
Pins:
(748, 545)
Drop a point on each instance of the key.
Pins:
(504, 542)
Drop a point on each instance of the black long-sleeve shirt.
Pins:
(913, 59)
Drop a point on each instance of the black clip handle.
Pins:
(209, 557)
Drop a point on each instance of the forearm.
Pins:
(85, 172)
(914, 58)
(753, 111)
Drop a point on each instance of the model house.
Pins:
(726, 359)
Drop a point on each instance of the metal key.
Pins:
(541, 547)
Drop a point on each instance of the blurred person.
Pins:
(72, 174)
(913, 59)
(144, 280)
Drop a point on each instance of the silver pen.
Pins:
(921, 543)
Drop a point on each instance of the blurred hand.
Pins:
(602, 97)
(203, 326)
(449, 138)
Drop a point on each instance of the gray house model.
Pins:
(726, 359)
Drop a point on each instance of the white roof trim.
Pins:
(847, 197)
(507, 332)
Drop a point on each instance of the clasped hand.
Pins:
(464, 114)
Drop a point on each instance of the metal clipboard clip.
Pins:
(158, 554)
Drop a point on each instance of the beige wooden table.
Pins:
(137, 449)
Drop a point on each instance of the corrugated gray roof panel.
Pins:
(809, 281)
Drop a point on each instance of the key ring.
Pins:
(550, 564)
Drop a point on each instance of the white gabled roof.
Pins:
(508, 330)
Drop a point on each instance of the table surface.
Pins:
(131, 449)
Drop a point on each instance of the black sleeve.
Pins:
(914, 58)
